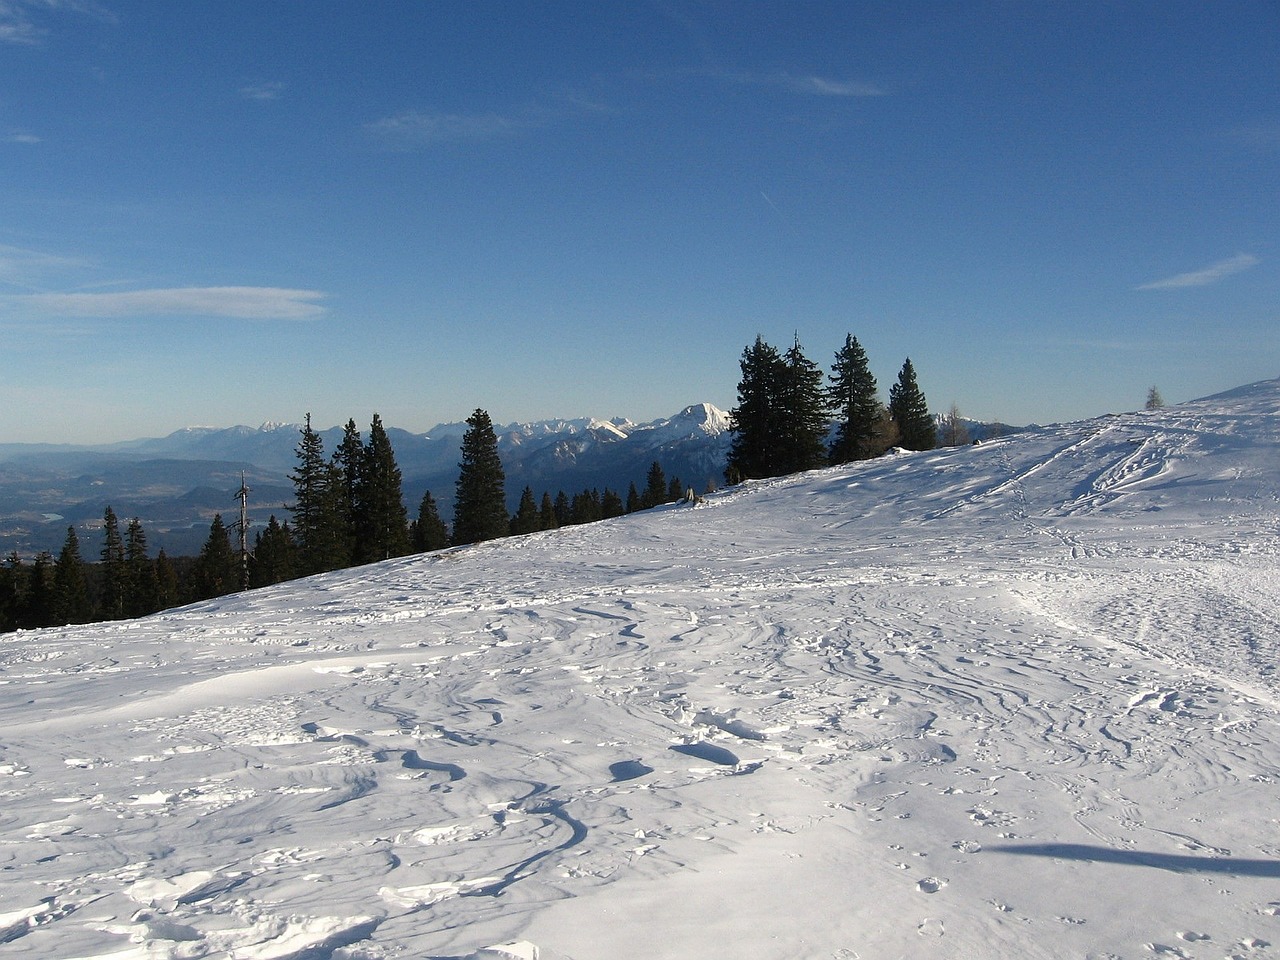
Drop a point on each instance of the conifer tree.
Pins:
(801, 430)
(41, 601)
(140, 573)
(675, 490)
(586, 507)
(525, 519)
(318, 522)
(611, 504)
(755, 420)
(114, 583)
(216, 571)
(348, 463)
(853, 397)
(429, 532)
(168, 589)
(910, 411)
(547, 513)
(633, 499)
(562, 510)
(273, 555)
(655, 487)
(13, 581)
(479, 508)
(381, 523)
(72, 603)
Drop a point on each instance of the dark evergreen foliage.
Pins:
(348, 464)
(141, 589)
(428, 531)
(802, 414)
(655, 487)
(114, 576)
(526, 519)
(382, 527)
(318, 511)
(633, 498)
(72, 603)
(480, 510)
(753, 448)
(611, 504)
(274, 555)
(910, 411)
(854, 398)
(217, 569)
(547, 513)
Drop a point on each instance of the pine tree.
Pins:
(382, 527)
(72, 603)
(563, 512)
(429, 532)
(140, 573)
(586, 507)
(525, 519)
(111, 605)
(801, 430)
(1154, 400)
(633, 499)
(853, 396)
(216, 571)
(910, 411)
(318, 516)
(755, 420)
(479, 508)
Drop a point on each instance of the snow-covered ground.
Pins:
(1014, 700)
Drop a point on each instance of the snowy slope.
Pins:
(1013, 700)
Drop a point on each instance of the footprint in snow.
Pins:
(931, 884)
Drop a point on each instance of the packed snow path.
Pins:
(1012, 700)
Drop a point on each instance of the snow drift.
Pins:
(1010, 700)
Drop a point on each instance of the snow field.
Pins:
(1014, 700)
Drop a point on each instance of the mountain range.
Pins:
(176, 483)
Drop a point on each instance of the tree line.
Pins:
(790, 417)
(348, 510)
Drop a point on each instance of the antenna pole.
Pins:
(243, 495)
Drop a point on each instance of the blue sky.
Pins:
(231, 212)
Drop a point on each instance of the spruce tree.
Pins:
(216, 571)
(562, 510)
(853, 397)
(71, 601)
(40, 608)
(655, 487)
(318, 515)
(479, 508)
(382, 527)
(140, 573)
(429, 532)
(13, 582)
(168, 589)
(910, 411)
(675, 490)
(801, 428)
(611, 504)
(547, 512)
(114, 583)
(755, 420)
(348, 464)
(633, 499)
(273, 555)
(525, 519)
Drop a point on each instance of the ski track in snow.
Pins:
(1013, 700)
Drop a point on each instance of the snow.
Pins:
(1009, 700)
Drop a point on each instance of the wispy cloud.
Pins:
(415, 128)
(262, 91)
(242, 303)
(20, 19)
(20, 137)
(21, 267)
(1202, 278)
(825, 87)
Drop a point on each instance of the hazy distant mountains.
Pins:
(175, 484)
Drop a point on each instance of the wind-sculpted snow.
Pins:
(1013, 700)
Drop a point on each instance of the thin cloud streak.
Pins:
(262, 91)
(240, 303)
(822, 87)
(414, 128)
(1202, 278)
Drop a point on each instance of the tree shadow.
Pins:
(1178, 863)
